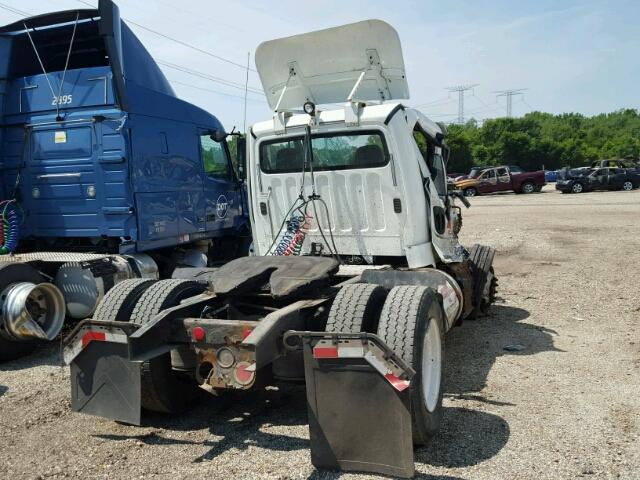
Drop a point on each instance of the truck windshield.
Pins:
(330, 152)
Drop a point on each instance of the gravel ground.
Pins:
(564, 404)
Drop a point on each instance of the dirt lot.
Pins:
(564, 404)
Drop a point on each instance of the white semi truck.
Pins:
(356, 277)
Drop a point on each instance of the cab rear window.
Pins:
(330, 152)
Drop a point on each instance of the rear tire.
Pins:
(356, 309)
(163, 389)
(412, 325)
(118, 304)
(528, 187)
(10, 273)
(627, 186)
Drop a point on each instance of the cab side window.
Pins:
(215, 158)
(489, 175)
(503, 175)
(433, 158)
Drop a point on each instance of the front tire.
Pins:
(470, 192)
(627, 186)
(412, 325)
(577, 188)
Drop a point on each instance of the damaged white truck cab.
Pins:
(382, 190)
(378, 167)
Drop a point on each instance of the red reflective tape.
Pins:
(325, 352)
(397, 383)
(88, 337)
(246, 331)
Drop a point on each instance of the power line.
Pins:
(489, 106)
(15, 11)
(509, 94)
(176, 82)
(460, 89)
(525, 102)
(206, 76)
(184, 44)
(442, 101)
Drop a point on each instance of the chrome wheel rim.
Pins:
(431, 365)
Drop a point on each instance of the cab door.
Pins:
(488, 181)
(503, 179)
(616, 178)
(220, 184)
(443, 239)
(600, 179)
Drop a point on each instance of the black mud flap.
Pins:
(104, 382)
(481, 259)
(358, 403)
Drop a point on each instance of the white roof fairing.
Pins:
(324, 66)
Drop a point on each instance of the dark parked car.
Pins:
(580, 180)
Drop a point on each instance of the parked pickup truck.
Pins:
(502, 179)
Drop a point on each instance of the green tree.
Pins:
(541, 139)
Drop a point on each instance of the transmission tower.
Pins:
(461, 89)
(509, 94)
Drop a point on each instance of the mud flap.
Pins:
(481, 259)
(358, 403)
(104, 382)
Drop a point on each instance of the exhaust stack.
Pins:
(33, 311)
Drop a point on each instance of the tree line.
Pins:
(540, 140)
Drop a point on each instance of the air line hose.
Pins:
(10, 218)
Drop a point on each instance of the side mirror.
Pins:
(218, 135)
(241, 157)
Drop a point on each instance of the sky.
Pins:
(570, 56)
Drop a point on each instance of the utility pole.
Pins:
(461, 89)
(509, 94)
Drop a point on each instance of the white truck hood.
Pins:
(324, 66)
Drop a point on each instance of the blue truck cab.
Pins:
(96, 148)
(107, 179)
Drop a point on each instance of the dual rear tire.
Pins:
(139, 301)
(411, 323)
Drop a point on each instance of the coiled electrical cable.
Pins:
(293, 226)
(11, 218)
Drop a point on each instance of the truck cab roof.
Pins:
(369, 114)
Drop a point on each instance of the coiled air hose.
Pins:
(10, 218)
(293, 238)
